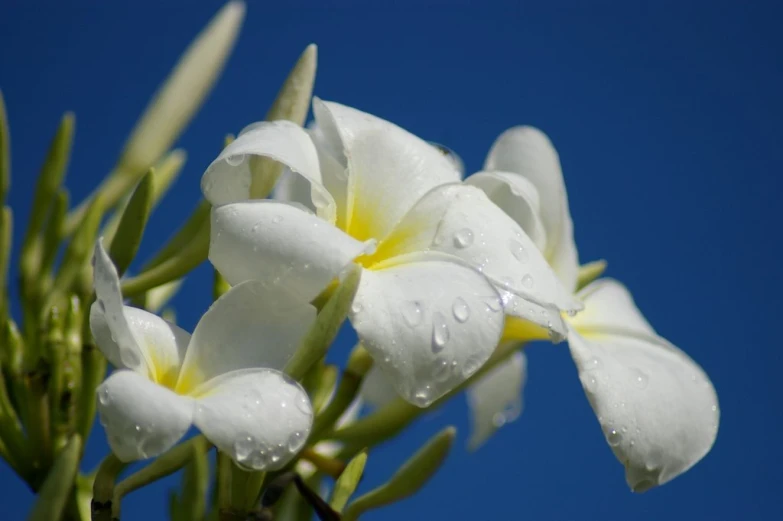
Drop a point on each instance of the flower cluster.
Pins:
(453, 271)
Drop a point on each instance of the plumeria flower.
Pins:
(439, 258)
(225, 379)
(656, 406)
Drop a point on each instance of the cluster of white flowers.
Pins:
(451, 268)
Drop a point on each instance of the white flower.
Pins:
(437, 254)
(656, 406)
(225, 378)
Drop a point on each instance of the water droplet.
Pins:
(438, 240)
(640, 379)
(472, 364)
(442, 371)
(494, 304)
(460, 309)
(277, 218)
(101, 306)
(304, 405)
(356, 307)
(243, 447)
(590, 383)
(411, 312)
(498, 420)
(463, 238)
(295, 441)
(518, 251)
(422, 397)
(593, 364)
(527, 281)
(440, 332)
(235, 160)
(614, 437)
(104, 397)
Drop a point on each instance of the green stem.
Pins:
(103, 488)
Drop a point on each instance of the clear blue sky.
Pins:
(667, 117)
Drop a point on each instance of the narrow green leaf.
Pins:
(158, 297)
(131, 227)
(6, 239)
(49, 181)
(54, 233)
(184, 236)
(409, 478)
(173, 105)
(292, 103)
(78, 253)
(5, 152)
(324, 387)
(93, 371)
(348, 481)
(174, 267)
(317, 341)
(589, 272)
(56, 489)
(192, 505)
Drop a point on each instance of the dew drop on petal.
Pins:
(593, 364)
(640, 379)
(235, 160)
(472, 364)
(590, 383)
(613, 436)
(463, 238)
(527, 281)
(411, 312)
(422, 397)
(356, 307)
(277, 218)
(442, 370)
(104, 397)
(295, 441)
(498, 420)
(244, 447)
(518, 251)
(440, 332)
(460, 309)
(304, 406)
(494, 304)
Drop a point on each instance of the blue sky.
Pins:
(667, 119)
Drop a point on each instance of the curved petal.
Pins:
(334, 171)
(529, 152)
(251, 326)
(609, 306)
(228, 179)
(377, 389)
(656, 406)
(429, 322)
(277, 243)
(260, 417)
(389, 168)
(495, 399)
(460, 220)
(516, 196)
(142, 419)
(132, 338)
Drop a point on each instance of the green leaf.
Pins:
(5, 152)
(409, 478)
(173, 106)
(324, 386)
(54, 494)
(192, 249)
(317, 341)
(6, 239)
(54, 232)
(47, 186)
(292, 103)
(130, 230)
(348, 481)
(192, 505)
(589, 272)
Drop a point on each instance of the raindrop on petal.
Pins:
(235, 160)
(463, 238)
(460, 309)
(518, 251)
(440, 332)
(527, 281)
(411, 312)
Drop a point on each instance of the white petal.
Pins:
(656, 406)
(527, 151)
(334, 172)
(260, 417)
(132, 338)
(142, 419)
(460, 220)
(496, 398)
(277, 243)
(609, 306)
(377, 389)
(430, 323)
(251, 326)
(516, 196)
(228, 178)
(389, 168)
